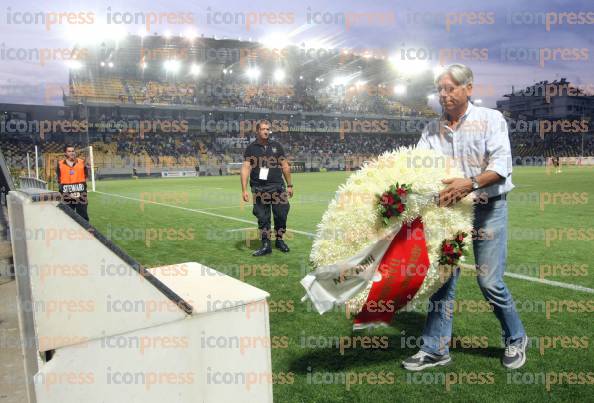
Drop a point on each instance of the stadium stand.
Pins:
(158, 103)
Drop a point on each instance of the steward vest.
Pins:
(72, 178)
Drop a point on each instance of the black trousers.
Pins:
(78, 205)
(273, 198)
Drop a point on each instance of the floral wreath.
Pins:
(382, 219)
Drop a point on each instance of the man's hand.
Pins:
(290, 191)
(245, 195)
(457, 189)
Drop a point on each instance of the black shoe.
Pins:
(265, 249)
(281, 245)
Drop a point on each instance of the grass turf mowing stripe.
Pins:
(309, 234)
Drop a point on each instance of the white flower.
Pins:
(352, 222)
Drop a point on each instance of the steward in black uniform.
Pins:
(265, 163)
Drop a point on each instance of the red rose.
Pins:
(400, 207)
(389, 213)
(460, 238)
(385, 199)
(390, 199)
(401, 192)
(447, 249)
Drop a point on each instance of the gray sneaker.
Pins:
(422, 360)
(515, 354)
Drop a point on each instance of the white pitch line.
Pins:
(199, 211)
(559, 284)
(292, 203)
(222, 207)
(574, 287)
(240, 229)
(309, 234)
(553, 283)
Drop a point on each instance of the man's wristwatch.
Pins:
(289, 186)
(475, 184)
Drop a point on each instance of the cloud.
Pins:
(432, 24)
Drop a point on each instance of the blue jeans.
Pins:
(490, 254)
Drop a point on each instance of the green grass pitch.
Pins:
(551, 236)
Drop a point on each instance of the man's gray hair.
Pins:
(461, 74)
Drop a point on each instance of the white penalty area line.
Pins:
(559, 284)
(199, 211)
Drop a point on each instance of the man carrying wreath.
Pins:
(477, 139)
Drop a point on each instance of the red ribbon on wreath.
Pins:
(403, 269)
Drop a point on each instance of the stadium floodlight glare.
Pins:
(253, 73)
(279, 75)
(195, 69)
(409, 68)
(434, 103)
(190, 34)
(74, 64)
(143, 65)
(341, 80)
(278, 41)
(400, 89)
(172, 66)
(318, 43)
(301, 77)
(110, 65)
(360, 83)
(102, 64)
(92, 34)
(437, 70)
(116, 34)
(167, 34)
(413, 67)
